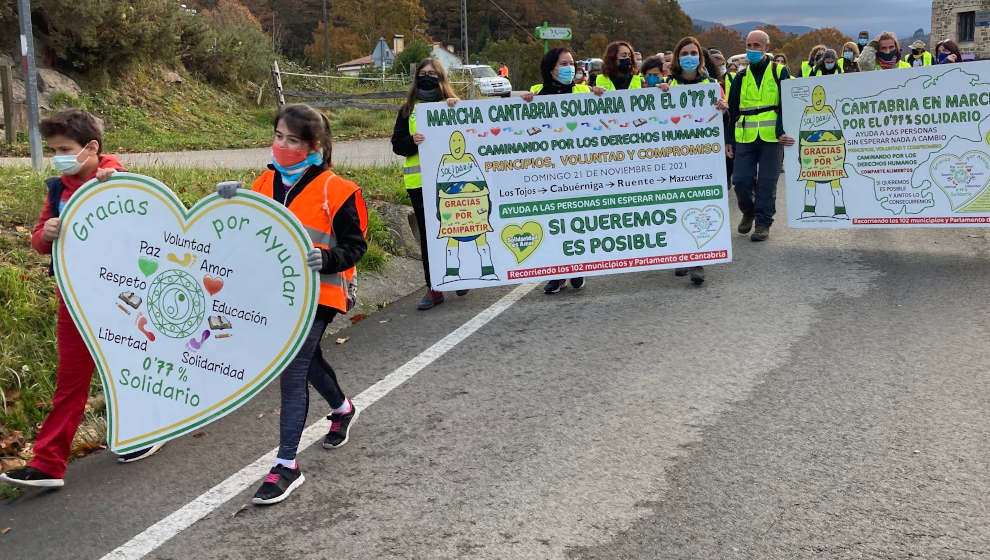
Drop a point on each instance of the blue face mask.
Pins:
(652, 80)
(862, 42)
(721, 69)
(292, 173)
(942, 57)
(565, 74)
(754, 56)
(690, 63)
(848, 55)
(829, 65)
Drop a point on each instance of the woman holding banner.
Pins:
(430, 84)
(688, 68)
(557, 71)
(619, 70)
(883, 53)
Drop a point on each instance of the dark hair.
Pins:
(675, 61)
(610, 65)
(446, 92)
(549, 62)
(651, 62)
(309, 124)
(77, 124)
(780, 55)
(950, 46)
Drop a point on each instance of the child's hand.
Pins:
(104, 173)
(50, 230)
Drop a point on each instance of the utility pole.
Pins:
(464, 33)
(326, 35)
(30, 81)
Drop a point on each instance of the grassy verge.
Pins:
(141, 113)
(28, 305)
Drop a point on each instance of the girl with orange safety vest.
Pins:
(333, 212)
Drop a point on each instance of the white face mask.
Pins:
(68, 165)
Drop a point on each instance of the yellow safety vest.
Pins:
(818, 72)
(673, 82)
(805, 69)
(900, 64)
(603, 81)
(760, 103)
(412, 176)
(578, 88)
(926, 59)
(728, 83)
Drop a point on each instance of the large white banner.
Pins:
(892, 148)
(573, 185)
(187, 313)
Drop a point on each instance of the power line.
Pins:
(506, 14)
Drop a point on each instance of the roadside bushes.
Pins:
(224, 45)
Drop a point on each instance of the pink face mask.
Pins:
(287, 157)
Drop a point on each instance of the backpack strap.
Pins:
(55, 188)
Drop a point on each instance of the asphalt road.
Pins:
(825, 395)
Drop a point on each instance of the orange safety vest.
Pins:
(315, 207)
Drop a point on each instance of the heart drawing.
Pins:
(154, 326)
(522, 241)
(962, 179)
(703, 223)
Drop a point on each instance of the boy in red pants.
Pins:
(76, 137)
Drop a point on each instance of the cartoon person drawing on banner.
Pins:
(463, 209)
(822, 154)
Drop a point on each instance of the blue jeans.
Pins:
(308, 365)
(758, 165)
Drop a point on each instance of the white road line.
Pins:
(156, 535)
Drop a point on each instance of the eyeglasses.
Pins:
(430, 74)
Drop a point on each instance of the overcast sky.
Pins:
(849, 16)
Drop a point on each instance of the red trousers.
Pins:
(72, 378)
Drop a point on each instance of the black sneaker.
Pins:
(577, 283)
(553, 286)
(746, 223)
(680, 272)
(340, 428)
(461, 292)
(698, 275)
(139, 454)
(279, 483)
(30, 476)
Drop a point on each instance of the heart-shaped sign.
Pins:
(175, 352)
(571, 125)
(495, 131)
(522, 241)
(961, 179)
(703, 223)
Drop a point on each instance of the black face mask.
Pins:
(427, 82)
(625, 64)
(916, 52)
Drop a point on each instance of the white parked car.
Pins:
(488, 82)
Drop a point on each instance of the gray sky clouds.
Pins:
(849, 16)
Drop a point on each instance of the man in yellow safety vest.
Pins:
(755, 136)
